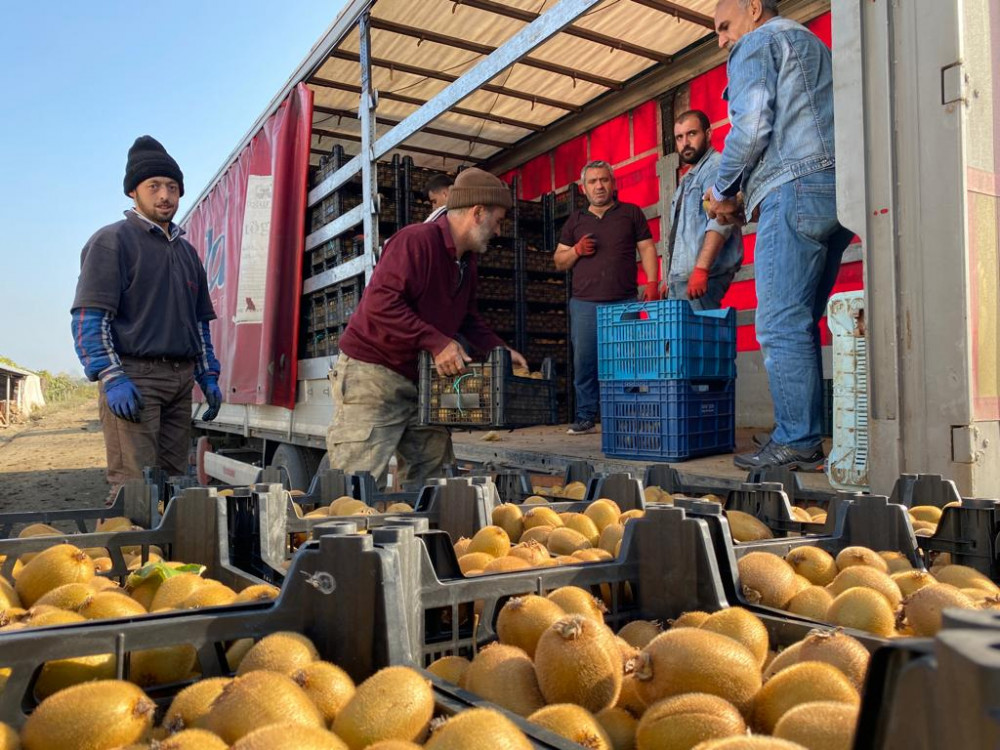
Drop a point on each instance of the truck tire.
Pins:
(298, 462)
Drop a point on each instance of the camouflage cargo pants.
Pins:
(374, 417)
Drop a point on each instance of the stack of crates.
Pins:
(668, 380)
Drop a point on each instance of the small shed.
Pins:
(21, 393)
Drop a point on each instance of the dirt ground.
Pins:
(55, 461)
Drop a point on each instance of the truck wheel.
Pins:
(298, 463)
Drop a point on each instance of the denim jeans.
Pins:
(583, 335)
(799, 247)
(718, 285)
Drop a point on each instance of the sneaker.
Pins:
(760, 439)
(773, 455)
(581, 427)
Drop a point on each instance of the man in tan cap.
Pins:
(421, 296)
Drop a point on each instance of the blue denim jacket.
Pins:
(781, 109)
(687, 211)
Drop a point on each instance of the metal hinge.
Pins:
(953, 84)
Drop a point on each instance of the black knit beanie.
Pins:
(147, 158)
(475, 187)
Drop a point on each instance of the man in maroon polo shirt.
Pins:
(599, 244)
(420, 297)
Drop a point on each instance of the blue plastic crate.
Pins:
(667, 420)
(665, 340)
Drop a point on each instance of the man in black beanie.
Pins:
(141, 323)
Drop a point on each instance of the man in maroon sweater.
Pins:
(420, 297)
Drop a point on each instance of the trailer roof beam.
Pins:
(438, 75)
(679, 11)
(429, 131)
(591, 36)
(513, 50)
(353, 138)
(485, 50)
(394, 97)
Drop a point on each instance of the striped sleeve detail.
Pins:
(206, 364)
(94, 344)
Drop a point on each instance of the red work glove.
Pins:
(650, 292)
(697, 283)
(586, 246)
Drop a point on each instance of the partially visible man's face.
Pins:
(690, 140)
(486, 226)
(157, 199)
(599, 186)
(439, 197)
(733, 20)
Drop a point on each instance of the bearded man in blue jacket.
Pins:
(780, 155)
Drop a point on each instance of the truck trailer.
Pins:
(291, 226)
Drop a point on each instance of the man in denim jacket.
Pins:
(704, 254)
(780, 154)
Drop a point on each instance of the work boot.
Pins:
(773, 455)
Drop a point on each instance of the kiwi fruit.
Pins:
(475, 727)
(255, 700)
(578, 661)
(861, 556)
(767, 579)
(190, 739)
(743, 627)
(575, 601)
(825, 725)
(620, 726)
(193, 702)
(99, 714)
(815, 564)
(813, 602)
(541, 516)
(522, 620)
(692, 660)
(450, 668)
(68, 596)
(683, 721)
(491, 540)
(639, 633)
(509, 518)
(566, 541)
(506, 564)
(783, 659)
(327, 685)
(289, 737)
(747, 528)
(161, 666)
(395, 703)
(108, 605)
(804, 682)
(573, 722)
(603, 513)
(50, 569)
(838, 649)
(474, 561)
(753, 742)
(575, 491)
(863, 609)
(964, 577)
(506, 676)
(923, 609)
(532, 552)
(175, 590)
(259, 592)
(862, 575)
(692, 619)
(284, 652)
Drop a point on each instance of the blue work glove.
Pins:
(124, 399)
(209, 385)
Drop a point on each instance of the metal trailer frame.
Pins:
(916, 79)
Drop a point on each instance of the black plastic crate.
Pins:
(867, 521)
(488, 395)
(193, 529)
(312, 603)
(935, 693)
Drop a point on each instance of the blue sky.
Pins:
(79, 82)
